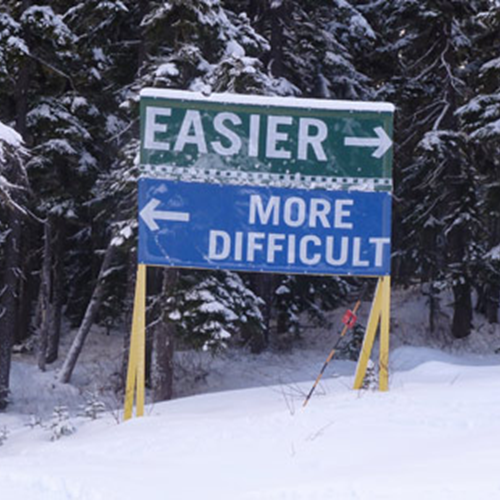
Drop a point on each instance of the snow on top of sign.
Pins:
(258, 100)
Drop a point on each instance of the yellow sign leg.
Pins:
(137, 357)
(384, 334)
(371, 330)
(141, 348)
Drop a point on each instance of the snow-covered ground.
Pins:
(434, 435)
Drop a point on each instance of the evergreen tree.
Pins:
(429, 44)
(480, 119)
(13, 186)
(213, 310)
(14, 80)
(63, 161)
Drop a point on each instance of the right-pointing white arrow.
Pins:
(150, 215)
(383, 142)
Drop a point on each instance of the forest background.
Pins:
(70, 76)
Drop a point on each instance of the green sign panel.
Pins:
(266, 140)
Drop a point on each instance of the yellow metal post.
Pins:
(136, 360)
(384, 334)
(371, 330)
(141, 348)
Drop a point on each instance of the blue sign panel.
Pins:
(249, 228)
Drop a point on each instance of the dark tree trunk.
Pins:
(488, 301)
(56, 294)
(278, 17)
(22, 95)
(462, 311)
(433, 301)
(89, 317)
(462, 290)
(162, 365)
(45, 299)
(282, 317)
(9, 304)
(28, 287)
(263, 284)
(430, 273)
(492, 303)
(432, 309)
(162, 372)
(459, 236)
(142, 52)
(458, 240)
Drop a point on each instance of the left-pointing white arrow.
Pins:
(382, 142)
(150, 215)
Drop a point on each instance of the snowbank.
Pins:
(435, 435)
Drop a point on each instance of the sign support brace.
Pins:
(135, 388)
(379, 314)
(137, 352)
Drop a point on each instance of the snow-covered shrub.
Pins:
(60, 424)
(4, 434)
(209, 309)
(35, 421)
(93, 407)
(371, 378)
(352, 344)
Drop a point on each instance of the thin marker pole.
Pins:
(334, 350)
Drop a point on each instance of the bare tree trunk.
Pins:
(492, 303)
(433, 306)
(142, 53)
(57, 295)
(462, 311)
(278, 17)
(89, 317)
(54, 334)
(462, 291)
(28, 287)
(459, 236)
(162, 363)
(9, 304)
(45, 302)
(263, 284)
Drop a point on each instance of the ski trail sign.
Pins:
(254, 183)
(308, 143)
(253, 228)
